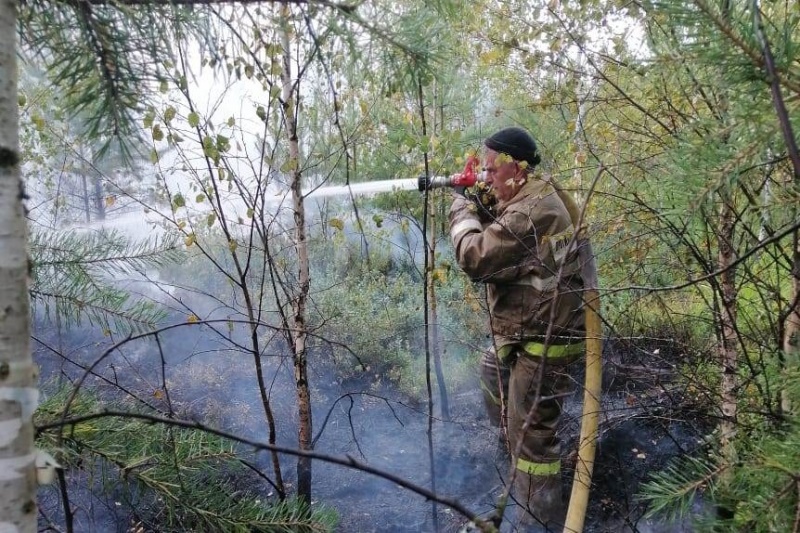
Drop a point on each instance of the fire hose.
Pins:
(587, 442)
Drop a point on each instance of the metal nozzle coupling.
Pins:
(434, 182)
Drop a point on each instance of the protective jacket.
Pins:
(527, 257)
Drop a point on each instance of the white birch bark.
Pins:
(299, 332)
(18, 392)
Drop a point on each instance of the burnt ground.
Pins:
(648, 419)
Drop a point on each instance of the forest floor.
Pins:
(647, 421)
(649, 417)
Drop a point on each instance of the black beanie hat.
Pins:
(515, 142)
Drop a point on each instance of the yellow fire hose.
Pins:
(587, 444)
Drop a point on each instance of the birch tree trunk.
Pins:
(298, 331)
(18, 393)
(728, 345)
(728, 349)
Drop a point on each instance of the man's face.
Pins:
(501, 172)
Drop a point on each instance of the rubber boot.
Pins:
(542, 507)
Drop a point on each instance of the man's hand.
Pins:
(484, 201)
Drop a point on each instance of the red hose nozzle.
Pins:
(467, 178)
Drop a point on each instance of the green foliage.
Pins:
(101, 57)
(172, 479)
(672, 491)
(758, 493)
(75, 276)
(376, 309)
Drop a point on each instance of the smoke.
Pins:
(208, 371)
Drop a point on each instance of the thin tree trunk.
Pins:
(18, 392)
(98, 196)
(728, 346)
(791, 333)
(86, 204)
(57, 202)
(728, 350)
(433, 326)
(791, 342)
(298, 329)
(581, 95)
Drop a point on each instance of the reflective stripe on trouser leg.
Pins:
(494, 377)
(538, 469)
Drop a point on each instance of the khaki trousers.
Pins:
(534, 389)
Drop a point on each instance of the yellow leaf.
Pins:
(110, 201)
(337, 223)
(190, 239)
(193, 318)
(158, 394)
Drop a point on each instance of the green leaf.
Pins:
(211, 219)
(158, 134)
(169, 114)
(289, 165)
(178, 200)
(262, 114)
(223, 143)
(200, 198)
(38, 121)
(194, 119)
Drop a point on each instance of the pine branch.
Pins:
(195, 477)
(105, 58)
(672, 490)
(338, 6)
(74, 274)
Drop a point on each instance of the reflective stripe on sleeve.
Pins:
(538, 469)
(460, 228)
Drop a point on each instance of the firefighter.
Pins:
(524, 252)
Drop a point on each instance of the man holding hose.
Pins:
(524, 251)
